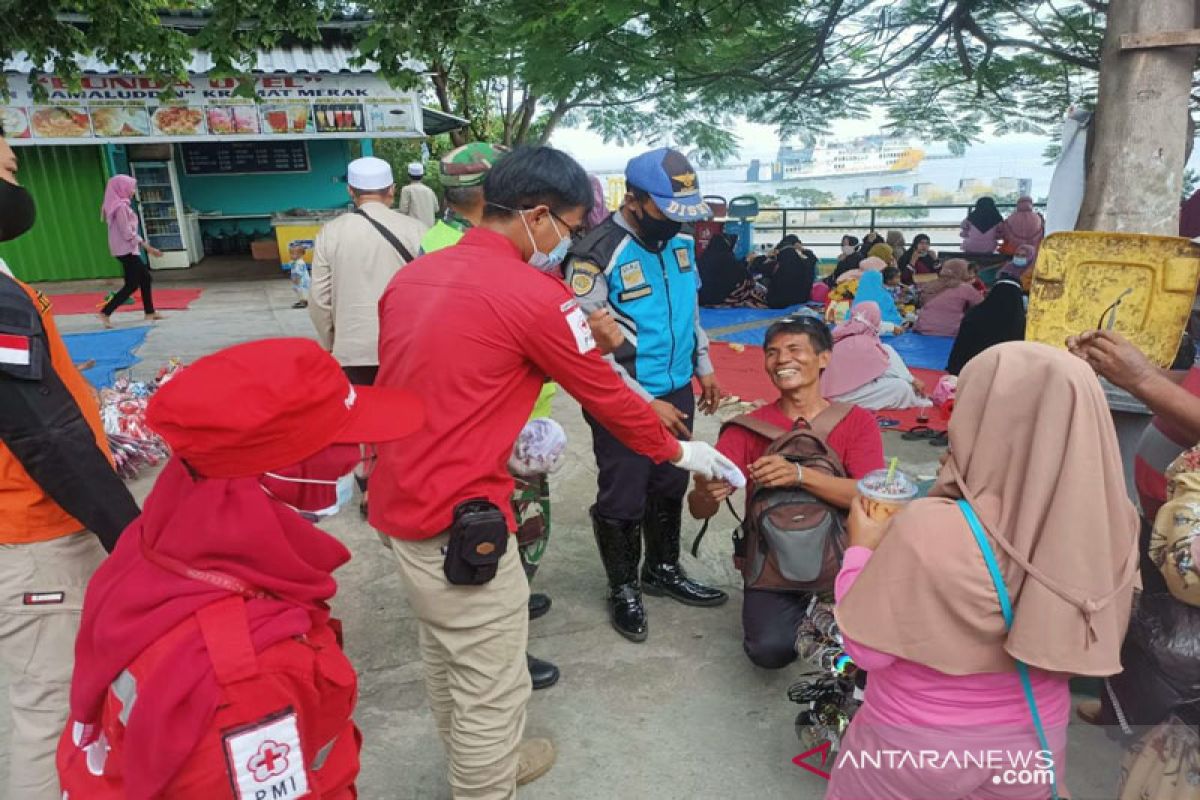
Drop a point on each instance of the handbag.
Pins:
(989, 558)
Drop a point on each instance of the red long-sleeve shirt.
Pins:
(475, 331)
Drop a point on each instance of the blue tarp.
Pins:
(752, 336)
(923, 352)
(112, 351)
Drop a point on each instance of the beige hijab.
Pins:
(1034, 451)
(954, 273)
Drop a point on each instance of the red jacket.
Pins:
(476, 330)
(282, 731)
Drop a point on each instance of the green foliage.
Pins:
(402, 152)
(130, 34)
(663, 72)
(942, 70)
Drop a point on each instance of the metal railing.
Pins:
(827, 224)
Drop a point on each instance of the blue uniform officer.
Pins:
(639, 265)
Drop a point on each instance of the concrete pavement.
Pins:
(683, 715)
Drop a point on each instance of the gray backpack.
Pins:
(791, 540)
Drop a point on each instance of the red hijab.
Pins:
(228, 526)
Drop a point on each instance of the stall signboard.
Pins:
(119, 109)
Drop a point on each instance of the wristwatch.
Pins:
(799, 475)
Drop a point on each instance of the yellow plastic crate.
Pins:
(1080, 274)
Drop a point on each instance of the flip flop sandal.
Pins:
(919, 433)
(942, 439)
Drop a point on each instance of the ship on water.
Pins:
(869, 155)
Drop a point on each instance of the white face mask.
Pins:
(344, 488)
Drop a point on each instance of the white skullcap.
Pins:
(369, 174)
(416, 169)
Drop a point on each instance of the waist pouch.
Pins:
(478, 540)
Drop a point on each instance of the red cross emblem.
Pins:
(270, 760)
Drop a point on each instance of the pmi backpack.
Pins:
(791, 540)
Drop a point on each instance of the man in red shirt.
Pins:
(479, 326)
(797, 350)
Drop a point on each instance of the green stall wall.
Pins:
(68, 240)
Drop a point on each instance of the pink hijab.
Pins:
(858, 355)
(117, 193)
(1024, 226)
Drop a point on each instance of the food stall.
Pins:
(215, 168)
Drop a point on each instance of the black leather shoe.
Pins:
(669, 580)
(539, 604)
(542, 673)
(627, 613)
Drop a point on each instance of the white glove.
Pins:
(703, 458)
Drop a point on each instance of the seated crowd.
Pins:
(883, 286)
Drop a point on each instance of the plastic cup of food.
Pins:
(884, 497)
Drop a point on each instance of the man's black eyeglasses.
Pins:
(576, 233)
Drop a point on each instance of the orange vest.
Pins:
(27, 514)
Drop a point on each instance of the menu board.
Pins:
(129, 109)
(239, 158)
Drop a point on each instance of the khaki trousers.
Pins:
(41, 595)
(473, 641)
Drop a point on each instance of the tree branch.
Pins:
(560, 110)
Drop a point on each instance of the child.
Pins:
(902, 294)
(301, 273)
(973, 271)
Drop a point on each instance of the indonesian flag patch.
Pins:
(14, 350)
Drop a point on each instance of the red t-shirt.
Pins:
(475, 330)
(856, 440)
(1159, 446)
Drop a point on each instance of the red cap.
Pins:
(270, 404)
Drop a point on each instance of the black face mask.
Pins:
(656, 232)
(17, 211)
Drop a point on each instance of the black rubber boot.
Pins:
(542, 673)
(662, 574)
(620, 546)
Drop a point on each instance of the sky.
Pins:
(590, 149)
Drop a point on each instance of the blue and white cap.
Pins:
(666, 176)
